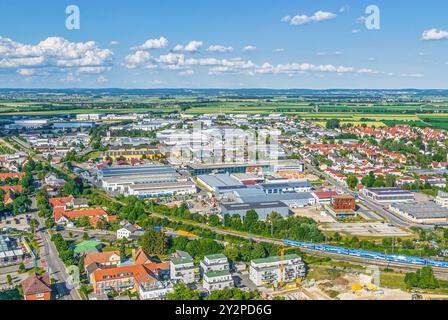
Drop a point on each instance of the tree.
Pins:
(390, 180)
(182, 292)
(423, 278)
(250, 219)
(122, 250)
(85, 236)
(34, 224)
(333, 124)
(352, 181)
(213, 220)
(22, 268)
(445, 233)
(368, 180)
(154, 242)
(73, 187)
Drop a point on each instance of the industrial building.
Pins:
(232, 167)
(133, 152)
(442, 199)
(324, 197)
(427, 212)
(263, 209)
(388, 195)
(267, 271)
(147, 190)
(292, 200)
(275, 188)
(216, 182)
(145, 181)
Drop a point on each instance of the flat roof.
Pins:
(276, 258)
(215, 256)
(278, 197)
(424, 210)
(389, 191)
(254, 205)
(299, 184)
(219, 180)
(136, 170)
(218, 273)
(149, 186)
(181, 261)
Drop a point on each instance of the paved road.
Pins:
(55, 265)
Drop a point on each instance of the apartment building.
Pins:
(267, 271)
(217, 280)
(183, 270)
(214, 262)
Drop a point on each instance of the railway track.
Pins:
(440, 273)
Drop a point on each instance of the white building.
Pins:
(128, 231)
(217, 280)
(214, 262)
(442, 199)
(267, 271)
(88, 117)
(183, 270)
(155, 290)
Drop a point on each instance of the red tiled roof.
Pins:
(325, 194)
(100, 258)
(17, 188)
(91, 212)
(11, 175)
(60, 202)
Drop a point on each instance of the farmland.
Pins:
(372, 108)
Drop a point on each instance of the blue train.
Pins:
(368, 254)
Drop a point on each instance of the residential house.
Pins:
(37, 287)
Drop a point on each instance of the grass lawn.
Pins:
(393, 280)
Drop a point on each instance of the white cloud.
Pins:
(249, 48)
(25, 72)
(54, 54)
(434, 34)
(279, 50)
(114, 43)
(335, 53)
(304, 19)
(356, 31)
(137, 59)
(160, 43)
(193, 46)
(219, 48)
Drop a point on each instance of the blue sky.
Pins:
(200, 44)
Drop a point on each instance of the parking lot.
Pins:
(18, 223)
(362, 229)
